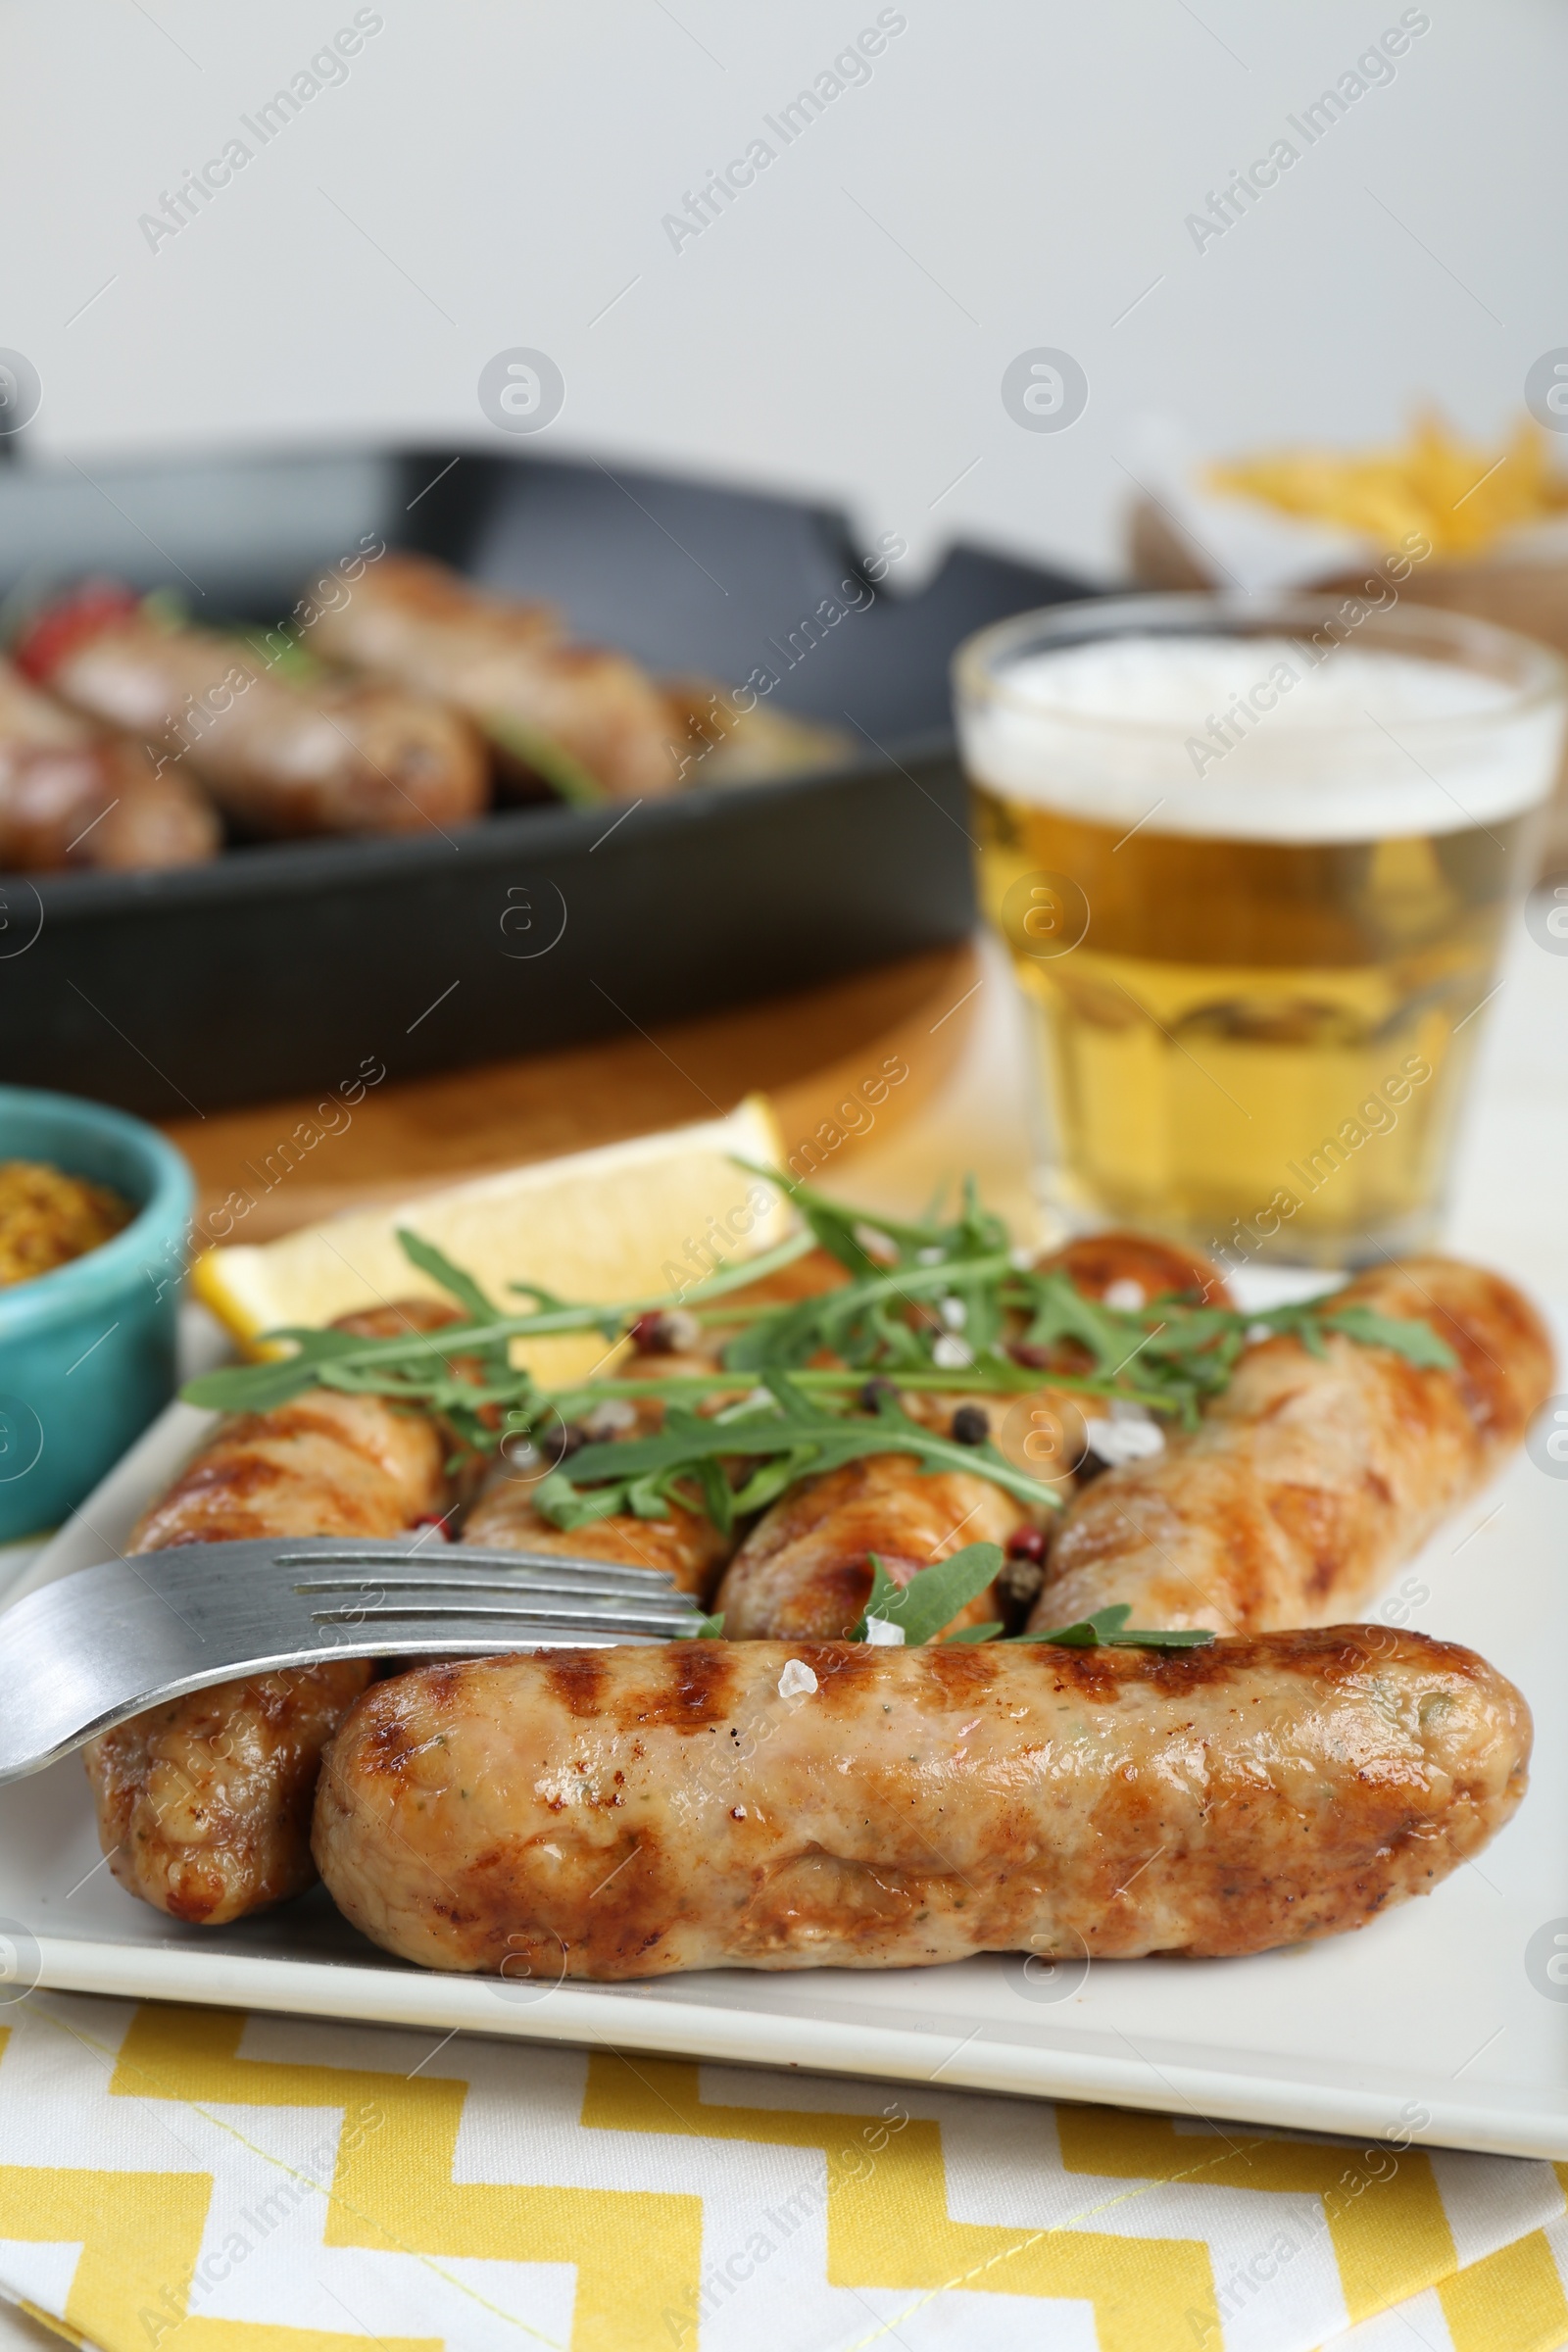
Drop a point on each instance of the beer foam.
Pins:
(1261, 739)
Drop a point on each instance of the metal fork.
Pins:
(81, 1655)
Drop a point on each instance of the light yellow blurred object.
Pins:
(722, 744)
(1462, 497)
(651, 1214)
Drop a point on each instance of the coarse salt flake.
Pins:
(1116, 1442)
(883, 1634)
(610, 1417)
(796, 1679)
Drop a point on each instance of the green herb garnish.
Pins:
(933, 1596)
(1108, 1629)
(560, 770)
(1170, 1354)
(792, 1439)
(415, 1365)
(930, 1305)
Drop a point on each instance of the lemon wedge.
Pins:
(655, 1213)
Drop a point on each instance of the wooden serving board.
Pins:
(829, 1058)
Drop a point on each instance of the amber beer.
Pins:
(1254, 929)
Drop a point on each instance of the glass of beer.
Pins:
(1253, 857)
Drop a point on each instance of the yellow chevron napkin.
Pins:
(198, 2181)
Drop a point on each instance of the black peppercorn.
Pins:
(971, 1425)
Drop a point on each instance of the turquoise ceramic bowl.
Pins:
(87, 1352)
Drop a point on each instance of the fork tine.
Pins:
(540, 1580)
(102, 1645)
(334, 1553)
(569, 1609)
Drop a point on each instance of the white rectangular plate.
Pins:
(1440, 2021)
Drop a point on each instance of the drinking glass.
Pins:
(1253, 857)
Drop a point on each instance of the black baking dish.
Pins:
(279, 969)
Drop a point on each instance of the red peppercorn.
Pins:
(1027, 1543)
(666, 1333)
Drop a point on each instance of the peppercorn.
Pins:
(873, 1392)
(1027, 1543)
(668, 1333)
(971, 1425)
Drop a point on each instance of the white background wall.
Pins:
(1015, 173)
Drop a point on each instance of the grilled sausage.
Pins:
(1310, 1479)
(805, 1571)
(688, 1546)
(630, 1812)
(687, 1543)
(506, 663)
(204, 1805)
(1101, 1264)
(72, 797)
(281, 758)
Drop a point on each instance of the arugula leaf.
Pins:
(834, 1229)
(819, 1442)
(1417, 1342)
(167, 608)
(249, 1387)
(560, 770)
(883, 1590)
(908, 1285)
(1107, 1629)
(453, 1280)
(259, 1388)
(561, 1504)
(975, 1633)
(288, 657)
(1090, 1633)
(933, 1596)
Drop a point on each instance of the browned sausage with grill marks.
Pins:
(805, 1570)
(626, 1813)
(279, 756)
(686, 1544)
(413, 623)
(1310, 1479)
(204, 1805)
(71, 796)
